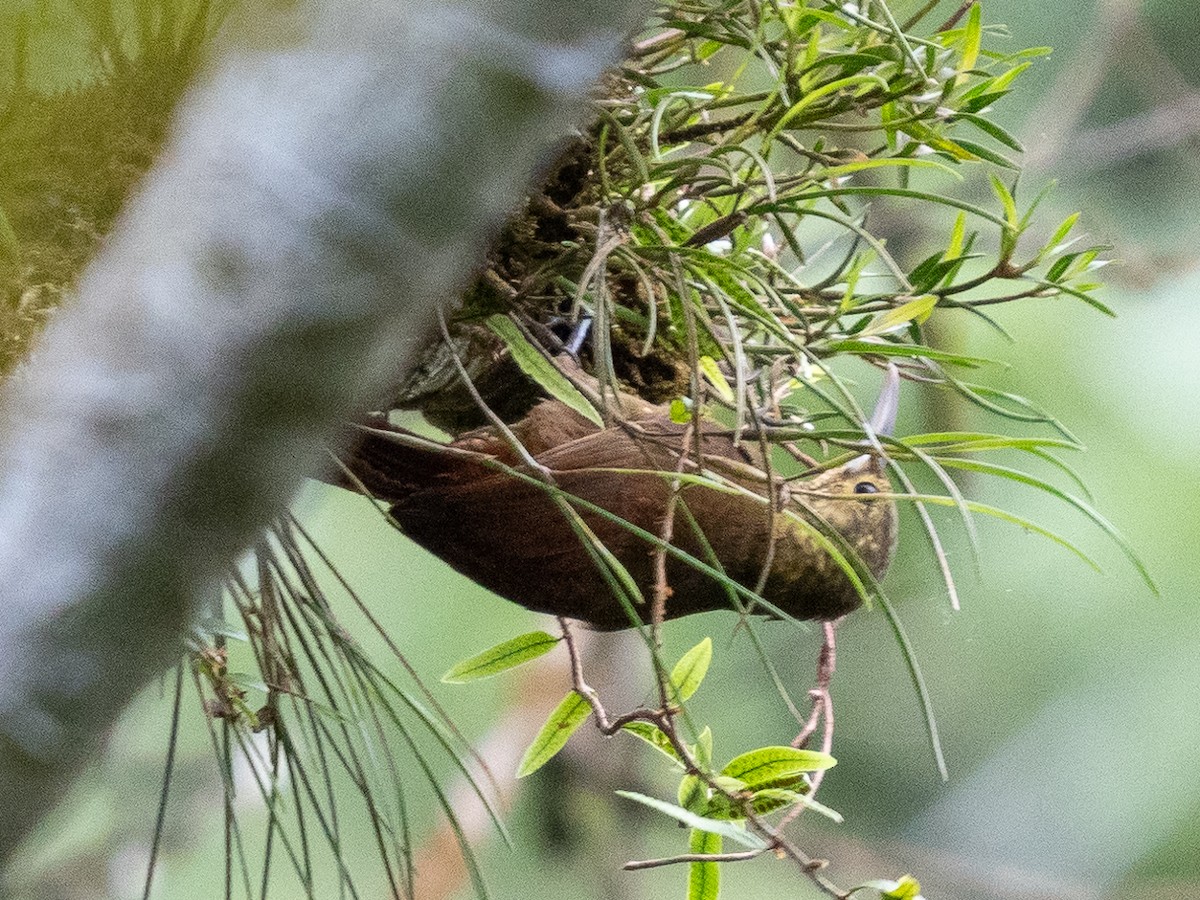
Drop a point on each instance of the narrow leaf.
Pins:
(716, 378)
(567, 716)
(917, 310)
(1087, 509)
(536, 366)
(501, 658)
(867, 348)
(704, 878)
(735, 833)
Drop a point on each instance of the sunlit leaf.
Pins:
(776, 766)
(917, 310)
(734, 832)
(689, 672)
(566, 718)
(654, 736)
(704, 878)
(501, 658)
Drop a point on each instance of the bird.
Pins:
(496, 514)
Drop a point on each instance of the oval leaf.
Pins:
(567, 717)
(501, 658)
(776, 766)
(691, 669)
(531, 361)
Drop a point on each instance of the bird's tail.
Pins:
(387, 461)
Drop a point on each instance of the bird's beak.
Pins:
(883, 419)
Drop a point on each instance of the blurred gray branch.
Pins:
(332, 183)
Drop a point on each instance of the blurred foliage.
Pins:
(71, 156)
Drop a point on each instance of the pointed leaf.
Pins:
(735, 833)
(501, 658)
(689, 672)
(654, 736)
(716, 378)
(776, 766)
(536, 366)
(567, 716)
(917, 310)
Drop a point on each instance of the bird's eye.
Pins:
(865, 487)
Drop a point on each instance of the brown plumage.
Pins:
(509, 535)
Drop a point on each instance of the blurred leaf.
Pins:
(654, 736)
(735, 833)
(704, 878)
(972, 39)
(566, 718)
(916, 310)
(502, 657)
(716, 378)
(704, 747)
(692, 794)
(689, 672)
(906, 888)
(681, 411)
(1106, 526)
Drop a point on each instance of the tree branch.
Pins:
(326, 190)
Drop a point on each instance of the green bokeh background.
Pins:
(1068, 700)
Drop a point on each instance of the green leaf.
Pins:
(963, 441)
(1119, 539)
(991, 128)
(704, 878)
(1004, 195)
(917, 310)
(885, 349)
(735, 833)
(567, 716)
(248, 681)
(776, 766)
(770, 800)
(766, 801)
(972, 39)
(716, 378)
(1061, 232)
(654, 736)
(689, 672)
(906, 888)
(536, 366)
(704, 747)
(986, 153)
(501, 658)
(681, 411)
(692, 794)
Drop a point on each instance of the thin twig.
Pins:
(636, 864)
